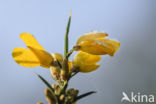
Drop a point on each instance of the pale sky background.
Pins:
(133, 68)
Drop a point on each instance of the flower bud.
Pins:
(76, 92)
(72, 93)
(55, 72)
(53, 86)
(50, 97)
(57, 90)
(62, 97)
(64, 70)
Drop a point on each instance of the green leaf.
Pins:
(45, 82)
(84, 95)
(66, 37)
(49, 86)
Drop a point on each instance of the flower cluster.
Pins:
(90, 46)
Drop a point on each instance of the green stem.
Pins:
(70, 52)
(66, 84)
(66, 38)
(66, 49)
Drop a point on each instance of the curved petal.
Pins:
(25, 57)
(30, 40)
(91, 36)
(86, 62)
(100, 46)
(44, 57)
(85, 58)
(88, 68)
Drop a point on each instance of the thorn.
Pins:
(70, 13)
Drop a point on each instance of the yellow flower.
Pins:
(86, 62)
(97, 44)
(35, 55)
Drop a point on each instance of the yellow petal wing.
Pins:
(30, 40)
(25, 57)
(91, 36)
(100, 46)
(44, 57)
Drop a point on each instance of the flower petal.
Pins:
(86, 62)
(100, 46)
(88, 68)
(69, 65)
(91, 36)
(25, 57)
(85, 58)
(30, 40)
(44, 57)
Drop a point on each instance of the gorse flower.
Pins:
(96, 43)
(90, 46)
(34, 56)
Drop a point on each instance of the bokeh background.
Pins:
(133, 68)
